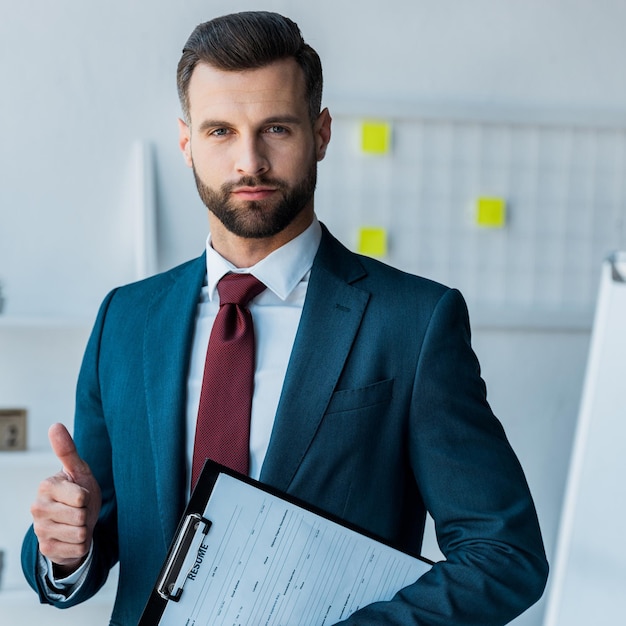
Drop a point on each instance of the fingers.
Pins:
(62, 548)
(65, 450)
(67, 506)
(61, 520)
(74, 538)
(58, 489)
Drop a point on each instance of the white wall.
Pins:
(81, 82)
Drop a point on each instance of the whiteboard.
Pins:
(589, 574)
(565, 191)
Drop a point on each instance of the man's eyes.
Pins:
(274, 129)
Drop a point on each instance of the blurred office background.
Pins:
(523, 101)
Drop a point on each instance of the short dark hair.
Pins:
(245, 41)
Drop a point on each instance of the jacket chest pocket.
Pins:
(357, 399)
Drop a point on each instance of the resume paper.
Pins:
(268, 562)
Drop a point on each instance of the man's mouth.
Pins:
(253, 193)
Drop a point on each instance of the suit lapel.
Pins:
(330, 320)
(168, 335)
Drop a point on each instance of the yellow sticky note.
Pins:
(491, 212)
(372, 241)
(376, 137)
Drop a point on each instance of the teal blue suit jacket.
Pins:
(383, 416)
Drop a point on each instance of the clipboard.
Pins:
(245, 553)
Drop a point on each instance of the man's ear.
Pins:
(184, 141)
(321, 131)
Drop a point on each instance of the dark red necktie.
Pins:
(223, 427)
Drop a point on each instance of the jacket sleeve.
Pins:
(89, 426)
(474, 488)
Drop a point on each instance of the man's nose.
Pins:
(251, 157)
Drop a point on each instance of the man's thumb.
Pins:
(65, 450)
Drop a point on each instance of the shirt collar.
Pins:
(280, 271)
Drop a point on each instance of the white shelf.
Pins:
(42, 322)
(21, 607)
(531, 320)
(23, 596)
(16, 459)
(477, 112)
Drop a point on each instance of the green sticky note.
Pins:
(491, 212)
(372, 241)
(376, 137)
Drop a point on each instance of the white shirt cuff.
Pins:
(62, 589)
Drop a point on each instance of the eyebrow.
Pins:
(280, 119)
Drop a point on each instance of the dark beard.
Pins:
(258, 219)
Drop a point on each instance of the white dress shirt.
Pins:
(276, 314)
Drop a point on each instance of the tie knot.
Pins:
(239, 289)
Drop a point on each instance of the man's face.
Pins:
(253, 150)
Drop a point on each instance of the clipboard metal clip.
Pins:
(170, 586)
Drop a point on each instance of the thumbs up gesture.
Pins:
(67, 507)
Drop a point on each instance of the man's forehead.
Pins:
(251, 96)
(282, 80)
(273, 91)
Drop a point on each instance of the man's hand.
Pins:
(67, 507)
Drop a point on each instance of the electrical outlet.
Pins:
(12, 429)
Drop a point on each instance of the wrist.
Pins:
(63, 570)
